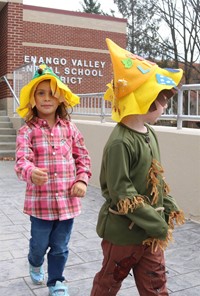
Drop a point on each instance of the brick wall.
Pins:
(3, 47)
(3, 43)
(94, 79)
(15, 29)
(72, 43)
(78, 39)
(69, 36)
(11, 50)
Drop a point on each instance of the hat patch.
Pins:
(164, 80)
(128, 63)
(144, 71)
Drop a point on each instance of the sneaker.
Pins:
(58, 290)
(36, 274)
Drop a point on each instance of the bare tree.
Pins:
(142, 26)
(182, 47)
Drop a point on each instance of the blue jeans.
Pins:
(54, 235)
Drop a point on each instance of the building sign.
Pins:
(70, 71)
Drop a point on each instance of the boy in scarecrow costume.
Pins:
(138, 217)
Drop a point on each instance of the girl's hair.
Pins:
(63, 112)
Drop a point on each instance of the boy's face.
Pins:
(46, 103)
(160, 105)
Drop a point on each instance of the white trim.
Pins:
(57, 46)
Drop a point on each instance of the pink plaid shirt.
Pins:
(62, 151)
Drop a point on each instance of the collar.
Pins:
(39, 123)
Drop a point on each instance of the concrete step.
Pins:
(4, 154)
(6, 124)
(7, 146)
(4, 119)
(7, 131)
(3, 113)
(7, 138)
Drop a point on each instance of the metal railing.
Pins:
(185, 106)
(16, 100)
(21, 76)
(93, 104)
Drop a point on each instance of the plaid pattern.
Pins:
(62, 151)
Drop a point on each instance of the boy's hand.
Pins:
(39, 176)
(79, 189)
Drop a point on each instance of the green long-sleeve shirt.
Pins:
(126, 163)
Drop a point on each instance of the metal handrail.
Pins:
(10, 87)
(93, 104)
(178, 116)
(185, 117)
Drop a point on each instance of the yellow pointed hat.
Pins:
(136, 83)
(60, 90)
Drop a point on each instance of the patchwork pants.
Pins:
(147, 268)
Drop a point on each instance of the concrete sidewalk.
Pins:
(182, 257)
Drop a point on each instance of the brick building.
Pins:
(72, 43)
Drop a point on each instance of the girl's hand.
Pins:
(39, 176)
(79, 189)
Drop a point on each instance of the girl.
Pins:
(52, 159)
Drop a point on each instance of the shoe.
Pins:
(36, 274)
(58, 290)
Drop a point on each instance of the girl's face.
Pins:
(46, 103)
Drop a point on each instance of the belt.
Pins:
(132, 223)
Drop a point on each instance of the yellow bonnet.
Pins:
(59, 90)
